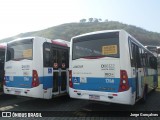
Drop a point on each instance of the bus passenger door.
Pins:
(64, 68)
(136, 63)
(60, 65)
(56, 56)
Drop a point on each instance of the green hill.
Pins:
(68, 30)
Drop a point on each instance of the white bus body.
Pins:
(110, 66)
(33, 67)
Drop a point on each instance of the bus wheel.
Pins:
(145, 94)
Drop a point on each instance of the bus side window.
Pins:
(47, 55)
(133, 55)
(138, 60)
(135, 61)
(10, 54)
(153, 62)
(146, 59)
(143, 58)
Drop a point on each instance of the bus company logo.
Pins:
(107, 66)
(78, 66)
(25, 67)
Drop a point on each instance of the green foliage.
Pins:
(90, 19)
(68, 30)
(82, 21)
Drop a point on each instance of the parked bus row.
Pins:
(109, 66)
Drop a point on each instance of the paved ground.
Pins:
(65, 108)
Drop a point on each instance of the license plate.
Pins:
(94, 97)
(18, 91)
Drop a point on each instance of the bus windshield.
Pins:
(20, 50)
(97, 45)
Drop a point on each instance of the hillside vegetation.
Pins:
(68, 30)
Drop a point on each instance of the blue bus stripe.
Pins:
(47, 82)
(26, 82)
(99, 84)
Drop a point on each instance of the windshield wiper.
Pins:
(93, 57)
(18, 59)
(90, 57)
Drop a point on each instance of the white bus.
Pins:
(111, 66)
(2, 58)
(36, 67)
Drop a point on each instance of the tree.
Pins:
(90, 19)
(96, 20)
(99, 19)
(82, 20)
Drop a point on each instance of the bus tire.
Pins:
(144, 98)
(154, 90)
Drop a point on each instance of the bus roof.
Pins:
(61, 42)
(19, 39)
(96, 32)
(56, 41)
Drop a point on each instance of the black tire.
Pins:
(144, 99)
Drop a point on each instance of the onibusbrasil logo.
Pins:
(21, 114)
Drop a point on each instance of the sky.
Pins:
(20, 16)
